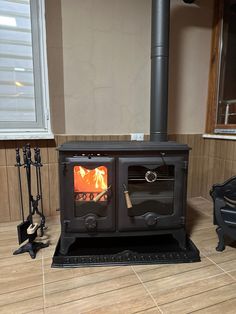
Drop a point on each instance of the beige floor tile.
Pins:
(23, 283)
(21, 295)
(153, 310)
(198, 224)
(5, 237)
(82, 279)
(228, 255)
(144, 268)
(118, 310)
(56, 274)
(36, 312)
(30, 305)
(202, 205)
(11, 273)
(228, 265)
(20, 276)
(201, 300)
(7, 250)
(89, 290)
(162, 285)
(232, 274)
(183, 291)
(203, 234)
(228, 307)
(207, 246)
(127, 300)
(162, 271)
(19, 259)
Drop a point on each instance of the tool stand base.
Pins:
(31, 247)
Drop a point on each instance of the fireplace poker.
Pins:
(39, 197)
(32, 230)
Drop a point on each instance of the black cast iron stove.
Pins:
(115, 189)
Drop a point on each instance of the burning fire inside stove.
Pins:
(89, 183)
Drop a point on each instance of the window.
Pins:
(221, 117)
(24, 100)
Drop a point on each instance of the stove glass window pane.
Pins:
(89, 184)
(151, 188)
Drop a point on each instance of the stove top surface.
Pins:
(122, 146)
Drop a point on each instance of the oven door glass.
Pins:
(151, 188)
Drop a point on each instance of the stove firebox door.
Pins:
(89, 185)
(156, 190)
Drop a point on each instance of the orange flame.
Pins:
(90, 180)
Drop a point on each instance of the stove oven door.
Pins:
(152, 192)
(87, 188)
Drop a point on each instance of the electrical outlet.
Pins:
(137, 136)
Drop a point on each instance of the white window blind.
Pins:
(23, 67)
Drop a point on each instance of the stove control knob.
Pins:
(150, 219)
(150, 176)
(90, 222)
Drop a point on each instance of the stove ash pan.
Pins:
(114, 189)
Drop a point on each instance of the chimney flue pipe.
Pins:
(159, 69)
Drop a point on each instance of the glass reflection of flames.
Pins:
(90, 181)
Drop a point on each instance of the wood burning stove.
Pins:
(114, 189)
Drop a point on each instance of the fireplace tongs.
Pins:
(100, 195)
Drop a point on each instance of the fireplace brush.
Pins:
(28, 229)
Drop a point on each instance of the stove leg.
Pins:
(221, 245)
(65, 244)
(180, 236)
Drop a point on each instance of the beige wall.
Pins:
(106, 65)
(189, 66)
(105, 68)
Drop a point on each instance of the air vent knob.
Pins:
(150, 219)
(150, 176)
(90, 222)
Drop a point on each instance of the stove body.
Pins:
(116, 189)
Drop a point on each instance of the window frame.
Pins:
(41, 128)
(212, 127)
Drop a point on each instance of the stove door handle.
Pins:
(127, 197)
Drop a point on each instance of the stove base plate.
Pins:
(161, 249)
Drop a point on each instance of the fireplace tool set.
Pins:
(28, 229)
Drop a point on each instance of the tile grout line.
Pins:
(147, 290)
(226, 272)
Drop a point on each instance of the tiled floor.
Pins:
(32, 286)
